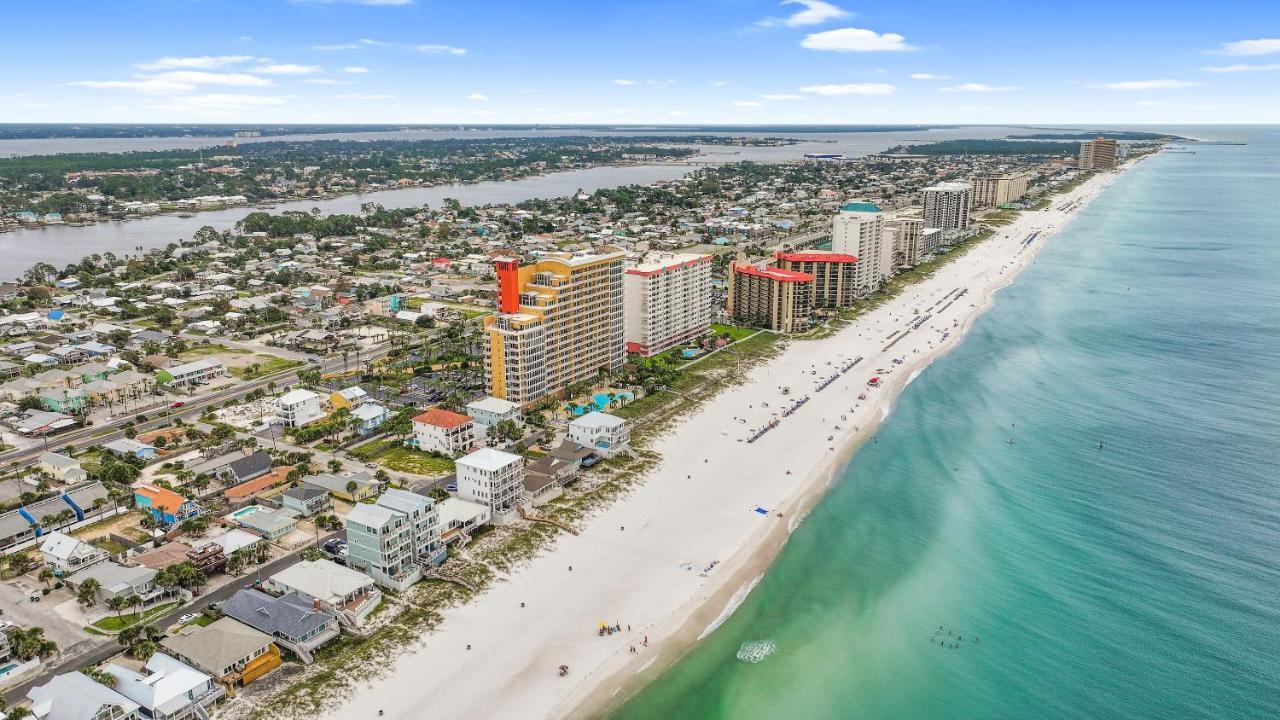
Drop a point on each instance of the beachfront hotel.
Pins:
(1097, 154)
(995, 189)
(946, 206)
(559, 320)
(834, 275)
(666, 301)
(912, 241)
(858, 230)
(770, 297)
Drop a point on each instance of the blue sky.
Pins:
(618, 62)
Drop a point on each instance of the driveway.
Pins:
(71, 638)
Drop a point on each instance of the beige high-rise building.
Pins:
(559, 321)
(996, 189)
(1097, 154)
(834, 275)
(858, 230)
(667, 300)
(769, 297)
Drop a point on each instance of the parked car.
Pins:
(188, 618)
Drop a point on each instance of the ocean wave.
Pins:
(735, 602)
(754, 651)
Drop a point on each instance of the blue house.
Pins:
(369, 417)
(166, 506)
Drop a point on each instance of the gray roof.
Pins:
(218, 645)
(251, 466)
(75, 696)
(116, 578)
(338, 483)
(305, 492)
(267, 522)
(290, 616)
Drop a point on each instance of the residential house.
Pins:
(306, 500)
(62, 400)
(269, 524)
(368, 417)
(65, 555)
(347, 594)
(352, 487)
(76, 696)
(62, 468)
(443, 431)
(167, 688)
(166, 506)
(459, 518)
(232, 652)
(299, 407)
(350, 397)
(126, 447)
(116, 580)
(248, 467)
(294, 622)
(609, 435)
(392, 538)
(27, 523)
(489, 411)
(545, 478)
(260, 485)
(493, 478)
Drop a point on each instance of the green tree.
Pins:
(87, 592)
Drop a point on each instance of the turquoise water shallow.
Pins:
(1140, 579)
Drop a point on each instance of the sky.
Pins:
(629, 62)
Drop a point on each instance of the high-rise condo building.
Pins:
(946, 206)
(996, 189)
(559, 320)
(769, 297)
(666, 301)
(1098, 154)
(834, 275)
(858, 230)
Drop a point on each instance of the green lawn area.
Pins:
(111, 623)
(391, 455)
(266, 365)
(195, 352)
(734, 332)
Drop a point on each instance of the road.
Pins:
(98, 434)
(93, 657)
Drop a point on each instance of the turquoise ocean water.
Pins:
(1136, 580)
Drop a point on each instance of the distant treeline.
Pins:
(989, 147)
(1109, 134)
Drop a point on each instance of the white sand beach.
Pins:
(697, 507)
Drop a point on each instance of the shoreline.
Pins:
(681, 517)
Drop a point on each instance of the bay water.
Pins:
(1119, 559)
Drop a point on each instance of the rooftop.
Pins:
(322, 579)
(489, 459)
(773, 273)
(440, 417)
(863, 207)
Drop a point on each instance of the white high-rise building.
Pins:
(858, 230)
(666, 301)
(946, 206)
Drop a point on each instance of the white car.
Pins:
(188, 618)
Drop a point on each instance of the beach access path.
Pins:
(693, 539)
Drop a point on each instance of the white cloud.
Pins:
(327, 81)
(1243, 67)
(1149, 103)
(198, 77)
(855, 40)
(439, 49)
(364, 96)
(815, 12)
(355, 69)
(623, 81)
(781, 96)
(1264, 46)
(747, 103)
(202, 62)
(288, 69)
(479, 97)
(339, 46)
(720, 83)
(980, 88)
(659, 83)
(149, 87)
(929, 76)
(850, 89)
(1144, 85)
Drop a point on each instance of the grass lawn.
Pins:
(195, 352)
(267, 365)
(394, 456)
(112, 623)
(735, 333)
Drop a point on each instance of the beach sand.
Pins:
(696, 507)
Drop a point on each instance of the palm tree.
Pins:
(45, 576)
(87, 592)
(117, 604)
